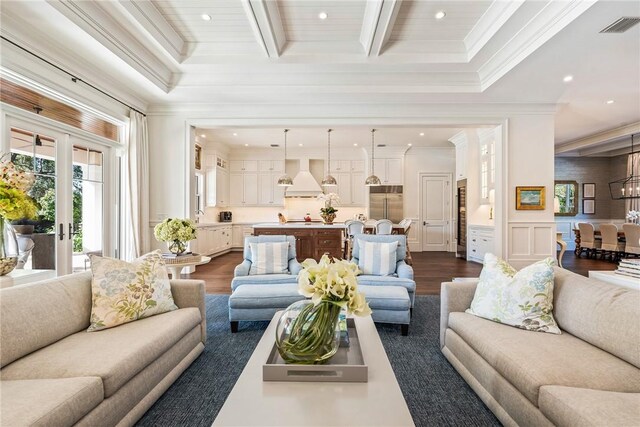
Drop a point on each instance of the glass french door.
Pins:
(70, 188)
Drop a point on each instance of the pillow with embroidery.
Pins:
(523, 299)
(126, 291)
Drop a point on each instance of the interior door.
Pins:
(436, 212)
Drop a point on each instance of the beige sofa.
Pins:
(54, 373)
(588, 375)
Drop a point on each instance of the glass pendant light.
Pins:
(372, 179)
(285, 180)
(329, 181)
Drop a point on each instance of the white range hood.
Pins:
(304, 184)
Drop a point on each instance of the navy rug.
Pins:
(435, 393)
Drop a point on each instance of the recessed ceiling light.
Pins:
(568, 78)
(441, 14)
(246, 145)
(421, 133)
(323, 15)
(611, 101)
(235, 134)
(203, 136)
(299, 145)
(355, 145)
(206, 17)
(409, 144)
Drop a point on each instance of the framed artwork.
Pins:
(588, 206)
(198, 157)
(589, 190)
(530, 198)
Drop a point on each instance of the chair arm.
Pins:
(404, 270)
(242, 269)
(190, 293)
(454, 297)
(294, 267)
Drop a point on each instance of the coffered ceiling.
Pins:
(367, 57)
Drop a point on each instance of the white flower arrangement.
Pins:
(633, 216)
(334, 282)
(175, 229)
(329, 199)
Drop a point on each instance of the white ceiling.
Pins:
(369, 58)
(341, 137)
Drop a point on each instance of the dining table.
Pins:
(596, 233)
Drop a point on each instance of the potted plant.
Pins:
(328, 212)
(176, 232)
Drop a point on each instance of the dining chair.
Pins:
(384, 226)
(610, 245)
(588, 242)
(352, 228)
(632, 238)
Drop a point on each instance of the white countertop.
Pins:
(299, 225)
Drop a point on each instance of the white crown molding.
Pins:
(459, 138)
(488, 25)
(266, 24)
(150, 18)
(553, 17)
(486, 134)
(599, 138)
(111, 33)
(622, 144)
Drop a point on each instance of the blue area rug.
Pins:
(435, 393)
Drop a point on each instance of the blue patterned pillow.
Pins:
(269, 258)
(377, 258)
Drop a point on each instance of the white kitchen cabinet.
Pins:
(343, 189)
(461, 160)
(389, 171)
(250, 188)
(358, 189)
(270, 166)
(480, 241)
(217, 187)
(243, 165)
(340, 165)
(357, 166)
(243, 189)
(237, 236)
(212, 240)
(269, 193)
(350, 189)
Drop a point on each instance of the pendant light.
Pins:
(372, 179)
(328, 180)
(285, 180)
(629, 187)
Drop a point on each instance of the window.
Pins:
(487, 168)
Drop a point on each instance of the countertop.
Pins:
(299, 225)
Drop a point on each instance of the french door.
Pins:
(71, 189)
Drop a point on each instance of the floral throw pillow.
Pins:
(523, 299)
(126, 291)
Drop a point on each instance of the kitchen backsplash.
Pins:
(293, 209)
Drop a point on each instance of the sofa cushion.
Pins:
(523, 299)
(32, 318)
(260, 296)
(126, 291)
(377, 258)
(267, 279)
(366, 279)
(529, 360)
(386, 297)
(48, 402)
(115, 354)
(601, 313)
(269, 258)
(579, 407)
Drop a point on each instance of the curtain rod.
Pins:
(74, 78)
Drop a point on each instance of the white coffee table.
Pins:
(379, 402)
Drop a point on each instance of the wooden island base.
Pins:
(312, 241)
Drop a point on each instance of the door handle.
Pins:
(71, 230)
(61, 232)
(425, 223)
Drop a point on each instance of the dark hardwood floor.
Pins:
(430, 270)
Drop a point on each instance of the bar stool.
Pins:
(351, 229)
(632, 239)
(588, 240)
(610, 246)
(384, 226)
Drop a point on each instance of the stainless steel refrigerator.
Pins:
(385, 202)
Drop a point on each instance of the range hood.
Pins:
(304, 184)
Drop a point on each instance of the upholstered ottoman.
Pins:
(389, 304)
(251, 302)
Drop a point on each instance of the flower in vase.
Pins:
(633, 216)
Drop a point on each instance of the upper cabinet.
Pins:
(216, 181)
(461, 160)
(254, 183)
(271, 166)
(389, 171)
(350, 178)
(243, 166)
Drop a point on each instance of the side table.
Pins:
(176, 269)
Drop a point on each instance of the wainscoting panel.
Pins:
(530, 241)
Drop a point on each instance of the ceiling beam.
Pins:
(607, 148)
(266, 23)
(488, 25)
(158, 28)
(377, 25)
(600, 138)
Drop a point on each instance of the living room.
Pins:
(477, 138)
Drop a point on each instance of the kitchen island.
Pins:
(313, 239)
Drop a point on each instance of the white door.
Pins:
(436, 212)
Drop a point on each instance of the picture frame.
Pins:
(198, 157)
(588, 206)
(530, 198)
(589, 190)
